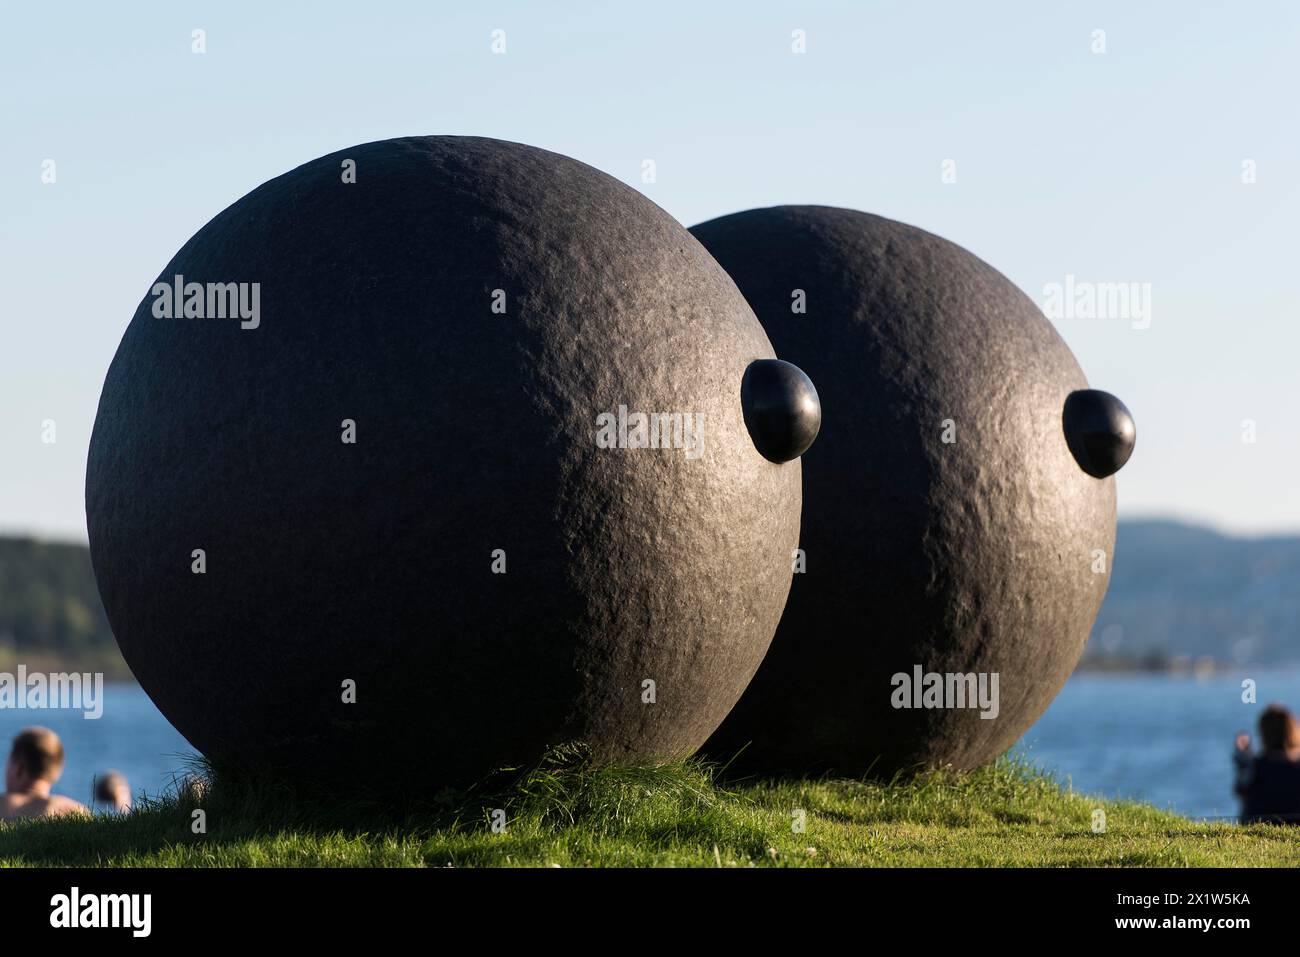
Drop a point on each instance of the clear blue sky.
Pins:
(1123, 166)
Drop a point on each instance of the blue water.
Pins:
(1156, 738)
(130, 736)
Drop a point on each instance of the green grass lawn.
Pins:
(678, 815)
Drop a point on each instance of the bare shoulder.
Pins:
(10, 806)
(60, 806)
(14, 806)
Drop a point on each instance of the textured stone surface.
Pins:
(474, 431)
(974, 556)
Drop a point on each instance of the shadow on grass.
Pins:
(566, 811)
(218, 815)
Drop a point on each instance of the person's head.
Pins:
(36, 759)
(111, 789)
(1278, 730)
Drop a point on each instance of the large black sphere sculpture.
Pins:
(947, 528)
(469, 475)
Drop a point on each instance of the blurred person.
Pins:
(1269, 783)
(35, 763)
(112, 792)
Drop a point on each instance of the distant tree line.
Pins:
(50, 612)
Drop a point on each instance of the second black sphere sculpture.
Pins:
(957, 525)
(431, 453)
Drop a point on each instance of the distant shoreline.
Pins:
(108, 663)
(115, 670)
(1177, 666)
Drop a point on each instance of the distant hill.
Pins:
(1175, 590)
(1184, 590)
(51, 618)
